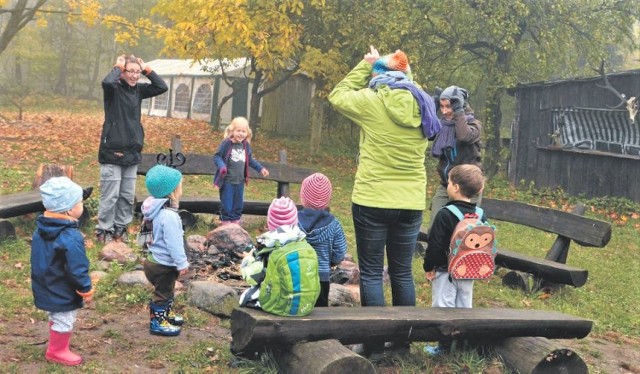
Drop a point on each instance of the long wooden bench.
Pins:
(21, 203)
(199, 164)
(568, 226)
(253, 329)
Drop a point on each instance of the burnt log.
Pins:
(46, 171)
(322, 357)
(211, 205)
(537, 355)
(253, 330)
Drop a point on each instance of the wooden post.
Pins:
(176, 144)
(7, 230)
(539, 355)
(322, 357)
(283, 187)
(317, 119)
(560, 248)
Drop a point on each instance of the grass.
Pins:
(611, 296)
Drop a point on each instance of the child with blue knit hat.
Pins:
(167, 259)
(59, 265)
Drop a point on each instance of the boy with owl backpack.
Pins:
(461, 245)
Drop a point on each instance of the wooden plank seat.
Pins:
(255, 330)
(198, 164)
(569, 227)
(20, 203)
(211, 205)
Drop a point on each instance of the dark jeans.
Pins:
(397, 230)
(163, 278)
(323, 298)
(231, 201)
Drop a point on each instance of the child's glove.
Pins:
(436, 98)
(223, 171)
(86, 296)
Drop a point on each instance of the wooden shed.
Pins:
(196, 88)
(286, 110)
(566, 135)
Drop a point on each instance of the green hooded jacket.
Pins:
(391, 172)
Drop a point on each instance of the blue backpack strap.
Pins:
(456, 211)
(480, 213)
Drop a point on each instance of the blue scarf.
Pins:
(430, 125)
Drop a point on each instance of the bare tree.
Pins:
(19, 17)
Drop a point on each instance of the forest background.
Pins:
(54, 53)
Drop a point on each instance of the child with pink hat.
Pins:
(321, 228)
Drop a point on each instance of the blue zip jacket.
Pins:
(326, 235)
(59, 265)
(221, 158)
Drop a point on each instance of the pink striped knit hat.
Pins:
(315, 192)
(282, 211)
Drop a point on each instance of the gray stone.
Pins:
(119, 252)
(340, 295)
(229, 238)
(215, 298)
(196, 242)
(134, 278)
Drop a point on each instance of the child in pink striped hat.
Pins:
(322, 229)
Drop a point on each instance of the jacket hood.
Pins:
(152, 206)
(401, 106)
(50, 228)
(312, 219)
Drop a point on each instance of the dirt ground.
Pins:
(121, 343)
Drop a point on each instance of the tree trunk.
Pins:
(323, 357)
(317, 119)
(537, 355)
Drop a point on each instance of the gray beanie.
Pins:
(60, 194)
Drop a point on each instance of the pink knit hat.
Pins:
(315, 192)
(282, 211)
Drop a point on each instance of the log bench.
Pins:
(551, 270)
(21, 203)
(314, 343)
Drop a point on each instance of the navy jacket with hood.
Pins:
(59, 265)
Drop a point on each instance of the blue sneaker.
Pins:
(432, 351)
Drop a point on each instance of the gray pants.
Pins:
(440, 199)
(117, 193)
(457, 293)
(62, 321)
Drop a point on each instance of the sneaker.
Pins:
(433, 351)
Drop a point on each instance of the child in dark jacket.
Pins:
(323, 231)
(59, 265)
(167, 259)
(233, 159)
(465, 181)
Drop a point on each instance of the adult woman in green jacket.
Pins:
(396, 118)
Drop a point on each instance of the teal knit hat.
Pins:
(162, 180)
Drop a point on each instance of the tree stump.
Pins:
(322, 357)
(539, 355)
(46, 171)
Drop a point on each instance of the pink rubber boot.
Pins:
(58, 349)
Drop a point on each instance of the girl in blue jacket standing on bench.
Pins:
(233, 159)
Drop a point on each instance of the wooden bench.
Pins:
(509, 329)
(21, 203)
(198, 164)
(568, 226)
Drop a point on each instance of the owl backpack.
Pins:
(472, 249)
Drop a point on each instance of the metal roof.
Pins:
(189, 67)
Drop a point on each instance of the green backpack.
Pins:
(291, 285)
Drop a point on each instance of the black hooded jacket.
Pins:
(122, 135)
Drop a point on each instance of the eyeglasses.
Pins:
(133, 72)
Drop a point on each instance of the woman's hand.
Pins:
(372, 56)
